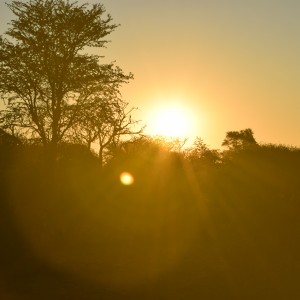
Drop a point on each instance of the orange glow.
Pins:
(171, 121)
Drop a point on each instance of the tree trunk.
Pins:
(100, 154)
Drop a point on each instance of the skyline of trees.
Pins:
(190, 219)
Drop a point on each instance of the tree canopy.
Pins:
(236, 140)
(47, 80)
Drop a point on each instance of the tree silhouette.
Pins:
(236, 140)
(200, 153)
(8, 140)
(46, 80)
(102, 123)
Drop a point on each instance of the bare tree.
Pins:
(104, 123)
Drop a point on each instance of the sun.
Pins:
(171, 121)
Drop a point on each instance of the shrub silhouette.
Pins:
(225, 230)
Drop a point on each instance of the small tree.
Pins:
(7, 140)
(200, 152)
(237, 140)
(46, 80)
(104, 125)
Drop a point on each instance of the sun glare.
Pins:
(171, 121)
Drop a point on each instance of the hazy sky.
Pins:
(234, 63)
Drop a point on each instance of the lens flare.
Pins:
(126, 178)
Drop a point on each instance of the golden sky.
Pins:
(234, 64)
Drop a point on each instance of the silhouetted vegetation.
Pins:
(196, 223)
(53, 91)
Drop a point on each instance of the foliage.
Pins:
(146, 146)
(47, 81)
(239, 219)
(236, 140)
(7, 140)
(104, 125)
(199, 152)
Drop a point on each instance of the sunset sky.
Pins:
(230, 64)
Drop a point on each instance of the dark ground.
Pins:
(229, 232)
